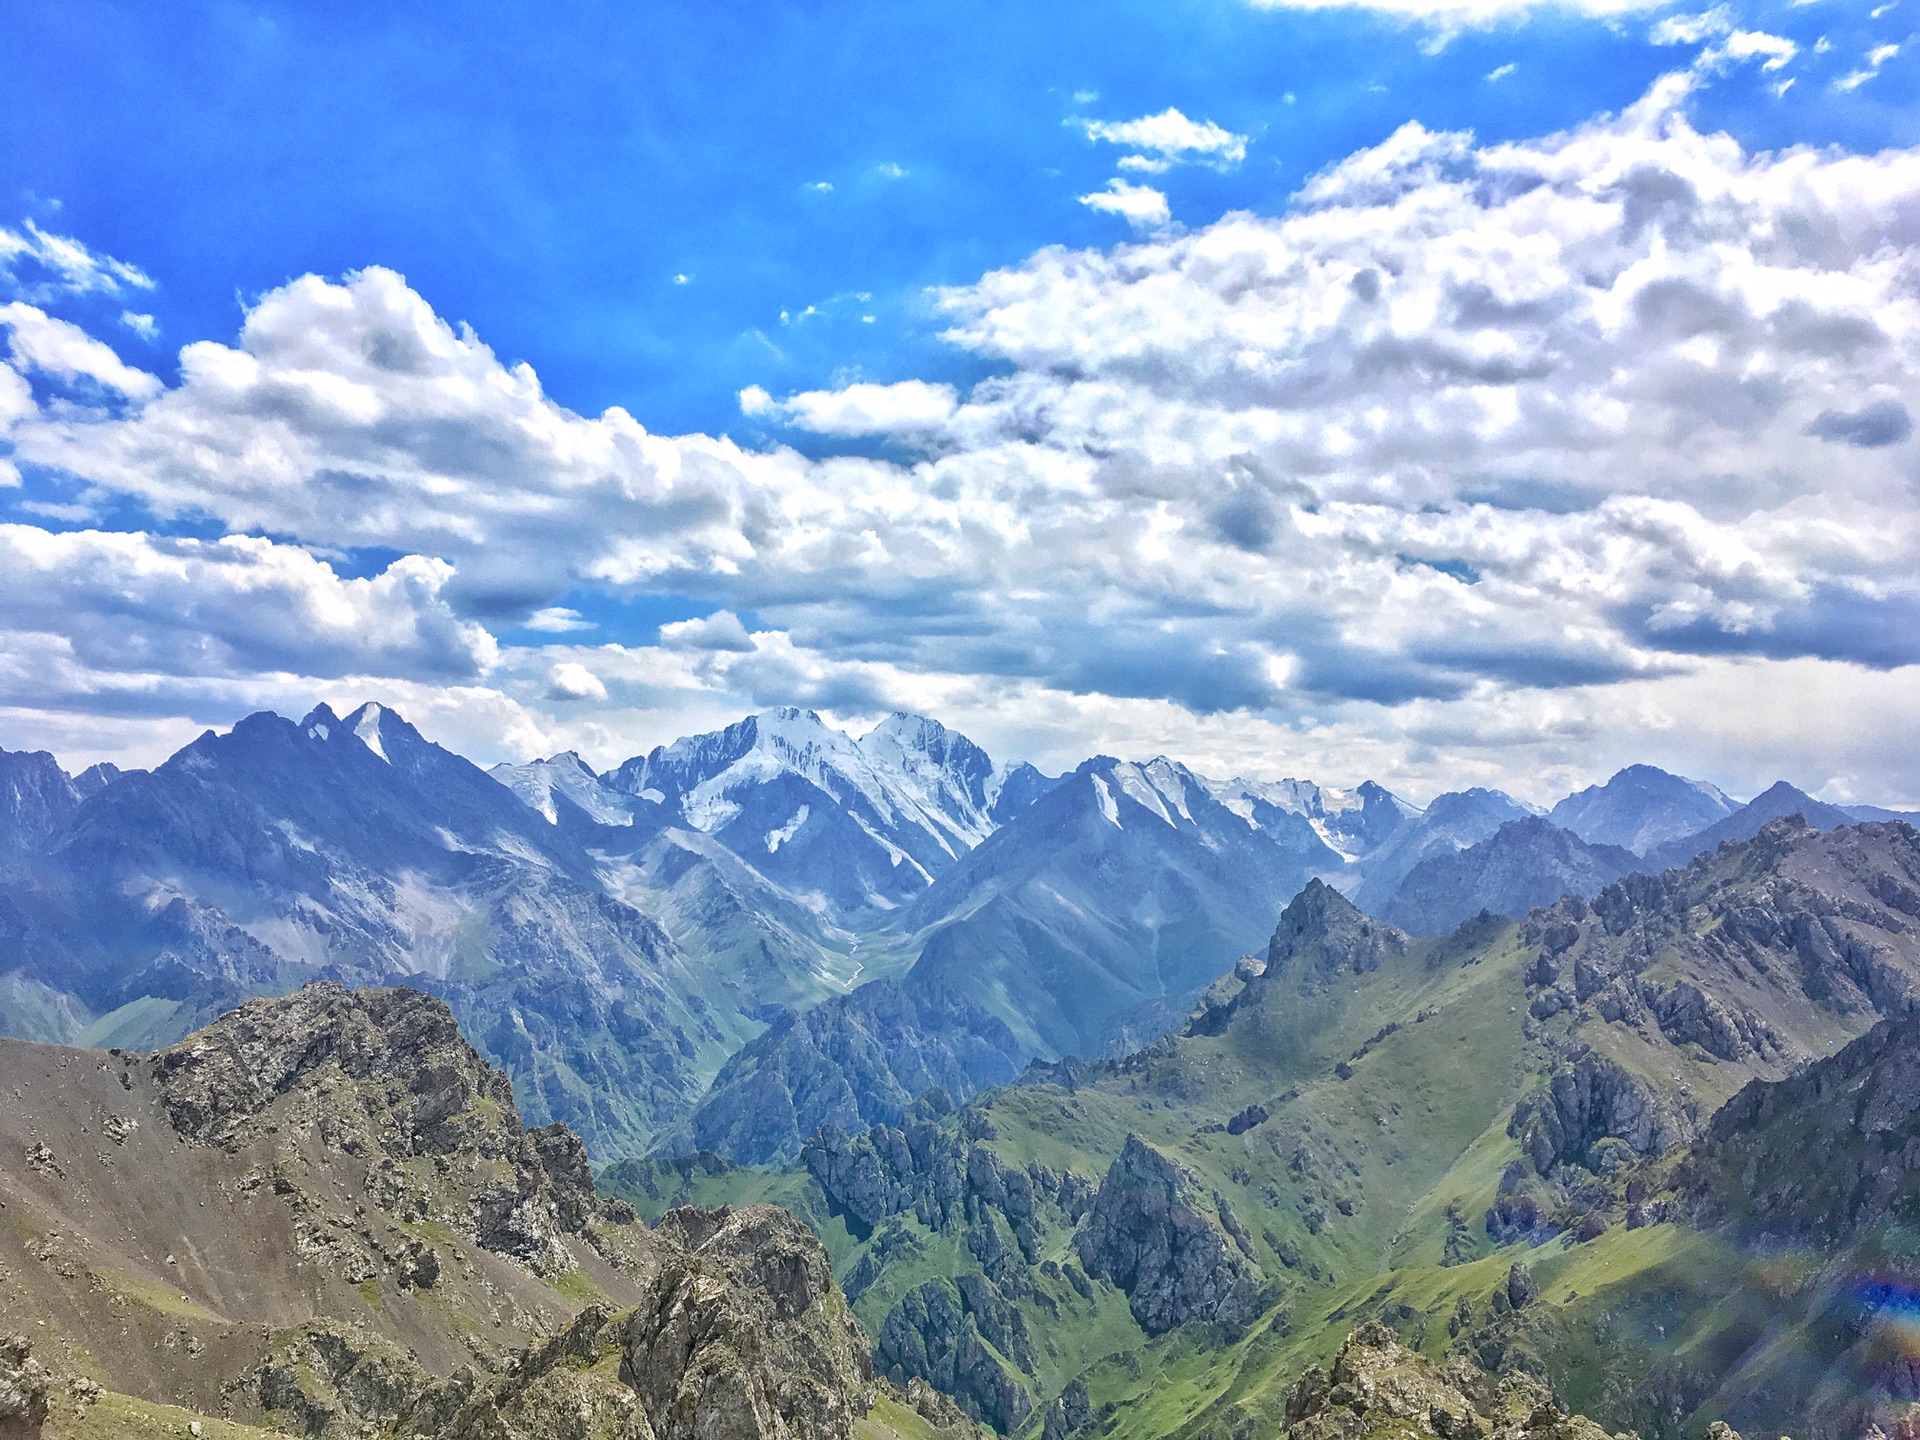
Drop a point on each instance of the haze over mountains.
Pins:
(826, 924)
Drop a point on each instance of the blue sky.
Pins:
(545, 173)
(661, 207)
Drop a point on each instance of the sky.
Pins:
(1485, 392)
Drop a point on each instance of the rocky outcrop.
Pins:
(741, 1336)
(1823, 1155)
(1069, 1413)
(23, 1390)
(1321, 935)
(386, 1076)
(931, 1170)
(940, 1333)
(1378, 1387)
(359, 1235)
(1590, 1098)
(1147, 1234)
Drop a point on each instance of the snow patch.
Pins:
(777, 838)
(1109, 807)
(367, 729)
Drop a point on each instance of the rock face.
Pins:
(854, 1061)
(1751, 957)
(939, 1334)
(740, 1334)
(1525, 864)
(23, 1390)
(1378, 1387)
(406, 1085)
(1823, 1154)
(1146, 1234)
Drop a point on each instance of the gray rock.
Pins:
(934, 1334)
(1149, 1235)
(23, 1390)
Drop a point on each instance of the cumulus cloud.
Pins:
(721, 630)
(1162, 141)
(1141, 206)
(133, 623)
(63, 351)
(570, 680)
(1471, 440)
(557, 620)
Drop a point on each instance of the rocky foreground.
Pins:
(323, 1214)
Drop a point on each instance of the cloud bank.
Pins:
(1490, 461)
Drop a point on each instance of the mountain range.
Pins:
(1652, 1148)
(687, 949)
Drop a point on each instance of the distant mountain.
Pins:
(1779, 800)
(853, 825)
(355, 849)
(1452, 822)
(36, 797)
(1122, 889)
(1525, 864)
(1641, 808)
(1353, 823)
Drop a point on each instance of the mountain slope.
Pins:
(1641, 808)
(323, 1212)
(1434, 1133)
(1124, 890)
(253, 861)
(854, 825)
(1524, 864)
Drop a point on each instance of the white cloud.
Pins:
(63, 351)
(1455, 13)
(1875, 58)
(1501, 72)
(60, 265)
(117, 615)
(1692, 29)
(557, 620)
(1775, 52)
(1141, 206)
(887, 170)
(721, 630)
(1474, 452)
(570, 680)
(908, 407)
(145, 326)
(1168, 139)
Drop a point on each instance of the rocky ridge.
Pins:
(1379, 1387)
(324, 1213)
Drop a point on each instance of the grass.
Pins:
(121, 1417)
(156, 1297)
